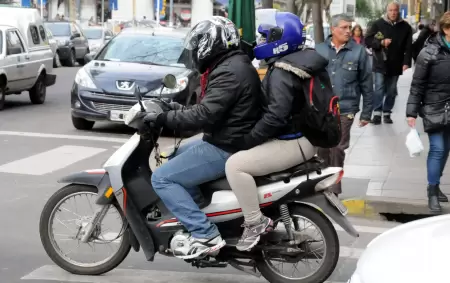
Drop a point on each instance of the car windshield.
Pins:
(144, 49)
(59, 29)
(93, 33)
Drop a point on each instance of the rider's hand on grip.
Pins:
(151, 119)
(176, 106)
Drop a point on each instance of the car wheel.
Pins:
(2, 95)
(39, 91)
(81, 61)
(56, 61)
(70, 62)
(82, 124)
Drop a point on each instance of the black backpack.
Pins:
(320, 119)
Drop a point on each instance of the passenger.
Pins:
(275, 142)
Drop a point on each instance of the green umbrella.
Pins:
(242, 13)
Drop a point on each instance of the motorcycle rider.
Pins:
(228, 110)
(275, 143)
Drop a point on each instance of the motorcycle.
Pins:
(124, 184)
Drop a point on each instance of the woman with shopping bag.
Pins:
(430, 98)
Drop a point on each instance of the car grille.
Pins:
(105, 107)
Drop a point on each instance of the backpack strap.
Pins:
(311, 91)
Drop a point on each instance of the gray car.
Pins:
(94, 36)
(73, 45)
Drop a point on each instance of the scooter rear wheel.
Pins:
(49, 244)
(329, 258)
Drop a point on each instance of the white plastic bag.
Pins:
(413, 143)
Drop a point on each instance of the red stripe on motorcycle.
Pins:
(214, 214)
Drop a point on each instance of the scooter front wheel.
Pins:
(72, 230)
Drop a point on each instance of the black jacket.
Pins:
(398, 52)
(430, 86)
(230, 107)
(417, 45)
(283, 95)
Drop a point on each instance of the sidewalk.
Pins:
(380, 177)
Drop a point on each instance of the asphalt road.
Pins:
(38, 145)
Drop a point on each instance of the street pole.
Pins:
(171, 13)
(42, 10)
(157, 12)
(103, 21)
(134, 12)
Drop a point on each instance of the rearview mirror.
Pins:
(169, 81)
(89, 57)
(14, 50)
(75, 35)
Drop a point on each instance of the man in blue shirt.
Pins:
(351, 76)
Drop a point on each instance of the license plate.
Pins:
(116, 115)
(336, 202)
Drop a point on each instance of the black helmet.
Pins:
(210, 39)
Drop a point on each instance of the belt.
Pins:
(291, 136)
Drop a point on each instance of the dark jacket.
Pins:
(351, 76)
(230, 107)
(417, 45)
(430, 86)
(283, 95)
(398, 52)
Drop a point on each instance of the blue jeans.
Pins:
(437, 156)
(177, 180)
(385, 86)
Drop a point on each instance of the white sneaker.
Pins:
(197, 248)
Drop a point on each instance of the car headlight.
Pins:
(83, 79)
(182, 83)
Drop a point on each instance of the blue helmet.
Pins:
(284, 33)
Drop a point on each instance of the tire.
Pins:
(2, 95)
(117, 259)
(56, 61)
(82, 124)
(70, 62)
(81, 61)
(39, 91)
(332, 249)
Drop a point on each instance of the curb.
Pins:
(372, 207)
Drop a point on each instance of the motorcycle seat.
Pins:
(309, 166)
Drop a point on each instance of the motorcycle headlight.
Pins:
(83, 79)
(182, 83)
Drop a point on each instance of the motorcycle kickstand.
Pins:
(98, 218)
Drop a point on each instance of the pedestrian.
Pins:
(419, 29)
(429, 29)
(357, 34)
(390, 38)
(57, 17)
(351, 77)
(430, 98)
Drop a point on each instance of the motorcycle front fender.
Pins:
(97, 178)
(321, 202)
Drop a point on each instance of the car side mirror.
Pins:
(75, 35)
(108, 37)
(89, 57)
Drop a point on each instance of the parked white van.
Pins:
(26, 59)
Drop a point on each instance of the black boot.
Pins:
(387, 119)
(433, 201)
(376, 120)
(441, 196)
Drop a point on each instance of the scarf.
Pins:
(204, 83)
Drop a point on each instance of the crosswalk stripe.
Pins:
(51, 160)
(66, 137)
(54, 273)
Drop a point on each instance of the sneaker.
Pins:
(252, 233)
(198, 248)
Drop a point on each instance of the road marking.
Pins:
(49, 161)
(54, 273)
(60, 136)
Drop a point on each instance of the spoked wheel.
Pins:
(319, 243)
(106, 248)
